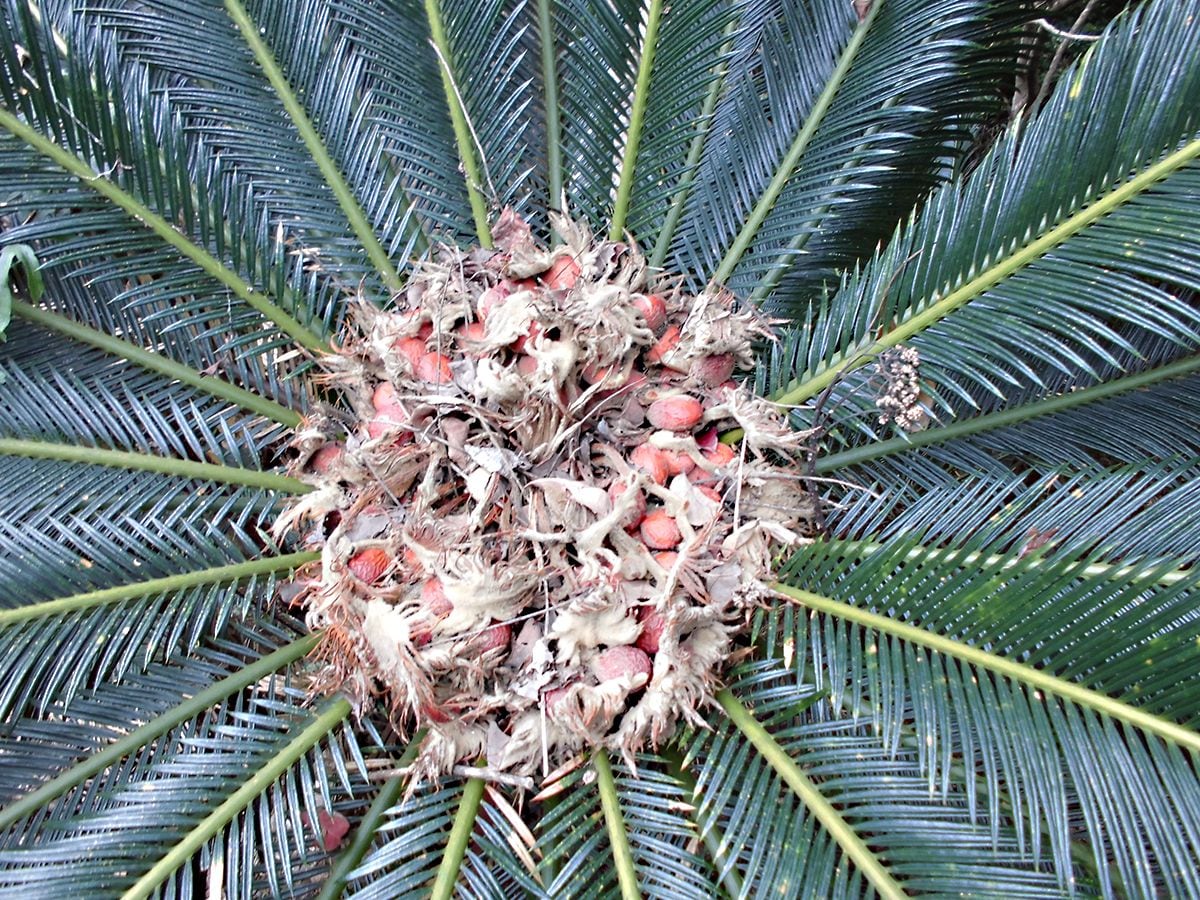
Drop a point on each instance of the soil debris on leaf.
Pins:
(532, 540)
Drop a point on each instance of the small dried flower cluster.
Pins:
(900, 400)
(533, 541)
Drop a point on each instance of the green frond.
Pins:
(1037, 261)
(408, 847)
(1037, 746)
(690, 62)
(62, 535)
(78, 395)
(163, 795)
(597, 67)
(869, 135)
(1128, 512)
(68, 643)
(979, 679)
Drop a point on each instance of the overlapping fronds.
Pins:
(979, 679)
(142, 818)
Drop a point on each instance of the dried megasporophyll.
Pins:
(532, 539)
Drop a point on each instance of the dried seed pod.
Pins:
(369, 565)
(660, 531)
(679, 412)
(617, 662)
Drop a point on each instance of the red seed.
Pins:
(328, 456)
(434, 599)
(664, 345)
(470, 331)
(711, 493)
(562, 274)
(675, 413)
(554, 700)
(535, 328)
(370, 564)
(527, 365)
(653, 309)
(434, 368)
(615, 490)
(712, 370)
(720, 455)
(613, 376)
(666, 559)
(410, 348)
(388, 424)
(652, 461)
(660, 531)
(333, 827)
(490, 299)
(618, 661)
(385, 397)
(495, 638)
(652, 629)
(678, 462)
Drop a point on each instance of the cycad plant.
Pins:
(979, 671)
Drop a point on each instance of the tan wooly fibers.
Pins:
(531, 541)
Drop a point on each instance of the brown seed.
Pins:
(675, 413)
(370, 564)
(660, 531)
(618, 661)
(652, 461)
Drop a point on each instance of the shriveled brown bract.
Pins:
(532, 540)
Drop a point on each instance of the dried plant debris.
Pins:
(533, 541)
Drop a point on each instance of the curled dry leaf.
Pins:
(527, 525)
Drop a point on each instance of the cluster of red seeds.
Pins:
(528, 525)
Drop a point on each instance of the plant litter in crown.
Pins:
(532, 540)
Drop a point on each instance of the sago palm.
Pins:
(979, 671)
